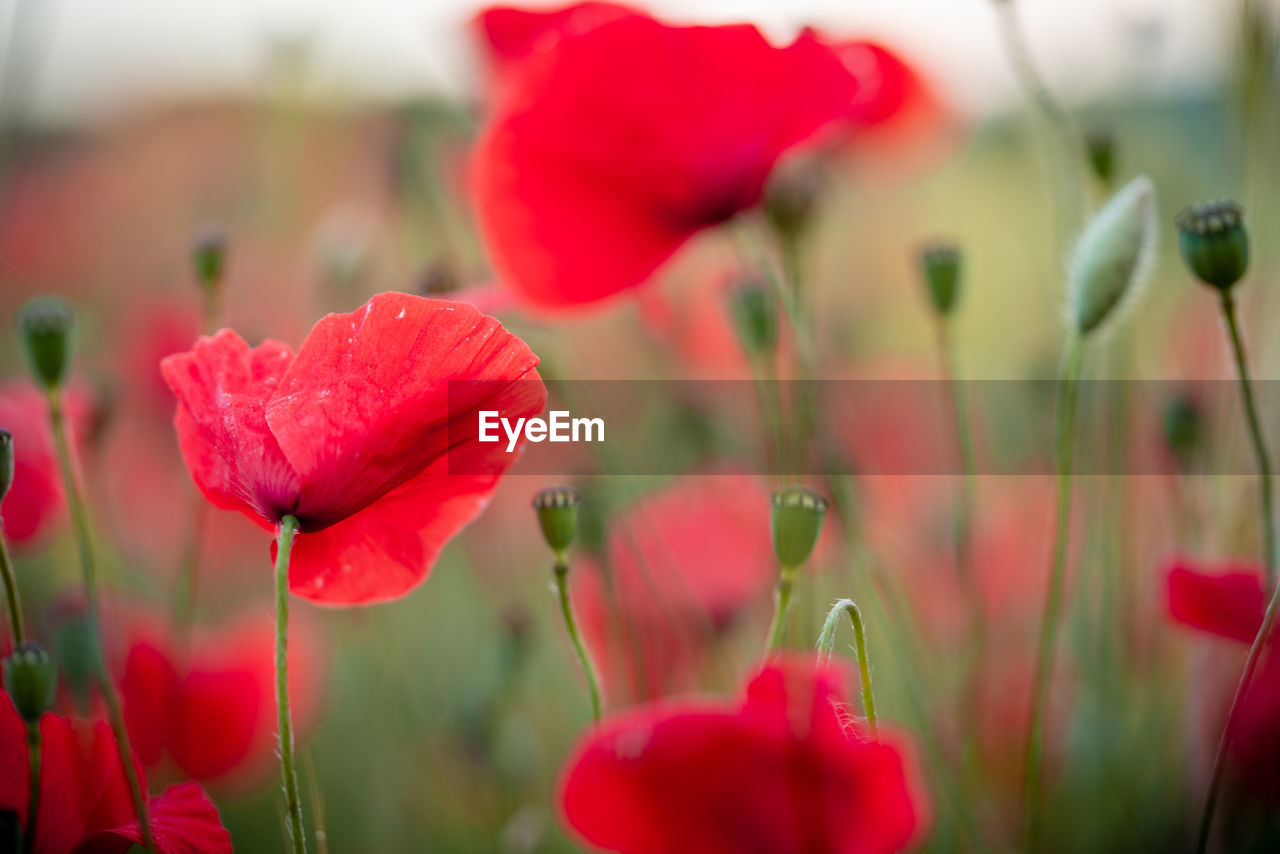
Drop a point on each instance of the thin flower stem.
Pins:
(561, 571)
(17, 629)
(293, 802)
(782, 611)
(1068, 391)
(33, 806)
(1269, 560)
(827, 642)
(966, 497)
(88, 568)
(1255, 433)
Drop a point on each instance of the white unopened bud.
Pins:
(1112, 257)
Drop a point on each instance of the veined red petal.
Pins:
(368, 401)
(182, 820)
(222, 386)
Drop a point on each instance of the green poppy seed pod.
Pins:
(557, 508)
(755, 314)
(1100, 148)
(209, 256)
(940, 262)
(1214, 242)
(47, 326)
(1183, 428)
(1112, 257)
(798, 512)
(31, 678)
(6, 462)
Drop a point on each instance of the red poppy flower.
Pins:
(35, 499)
(511, 35)
(1228, 600)
(785, 770)
(85, 805)
(683, 563)
(599, 162)
(209, 706)
(352, 436)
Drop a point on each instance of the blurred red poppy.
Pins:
(85, 805)
(785, 770)
(352, 436)
(207, 702)
(1226, 600)
(510, 35)
(682, 565)
(599, 162)
(35, 500)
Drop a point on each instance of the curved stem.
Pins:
(561, 571)
(1269, 560)
(33, 806)
(782, 611)
(1255, 433)
(827, 642)
(88, 568)
(293, 802)
(17, 629)
(1068, 389)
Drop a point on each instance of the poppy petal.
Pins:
(367, 403)
(1228, 602)
(182, 821)
(222, 385)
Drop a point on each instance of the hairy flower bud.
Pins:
(47, 326)
(1112, 256)
(1214, 242)
(798, 512)
(557, 509)
(31, 678)
(940, 261)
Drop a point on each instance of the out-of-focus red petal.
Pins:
(777, 774)
(368, 401)
(600, 163)
(1228, 601)
(149, 691)
(182, 821)
(222, 387)
(513, 34)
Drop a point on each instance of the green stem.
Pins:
(561, 571)
(782, 611)
(1259, 444)
(17, 628)
(1269, 560)
(88, 568)
(293, 802)
(1068, 391)
(33, 807)
(827, 642)
(966, 498)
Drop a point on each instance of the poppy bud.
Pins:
(798, 512)
(1214, 242)
(1183, 428)
(6, 462)
(47, 327)
(557, 508)
(791, 198)
(755, 314)
(1112, 256)
(209, 256)
(940, 262)
(31, 678)
(1100, 148)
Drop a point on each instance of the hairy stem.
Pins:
(561, 571)
(293, 802)
(17, 629)
(827, 642)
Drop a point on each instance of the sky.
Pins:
(96, 57)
